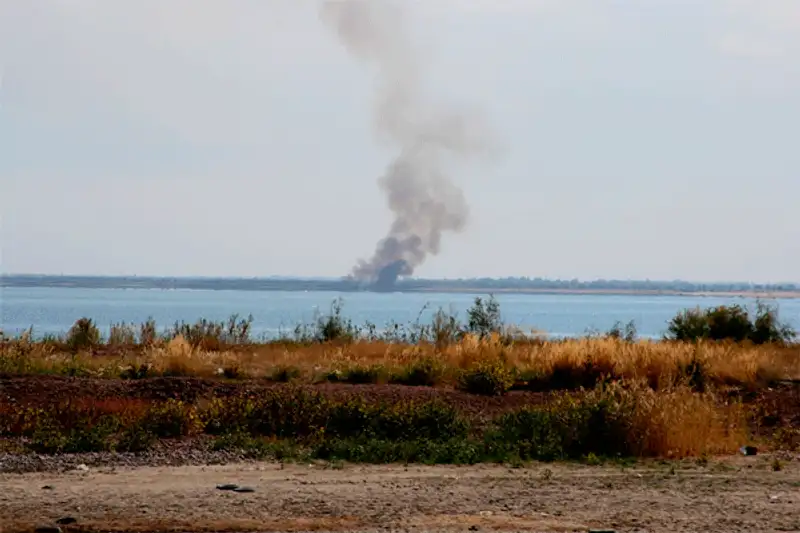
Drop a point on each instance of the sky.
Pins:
(631, 139)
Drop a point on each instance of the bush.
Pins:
(281, 412)
(172, 419)
(288, 412)
(87, 425)
(625, 332)
(731, 323)
(122, 335)
(568, 429)
(207, 334)
(489, 378)
(83, 334)
(148, 333)
(334, 327)
(284, 374)
(483, 318)
(424, 372)
(406, 420)
(358, 375)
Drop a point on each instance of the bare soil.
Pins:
(725, 495)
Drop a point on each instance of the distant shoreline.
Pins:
(625, 292)
(476, 287)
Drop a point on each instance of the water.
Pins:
(54, 310)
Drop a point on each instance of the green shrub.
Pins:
(49, 438)
(288, 412)
(358, 375)
(489, 378)
(136, 438)
(281, 412)
(732, 323)
(483, 318)
(333, 327)
(567, 428)
(405, 420)
(424, 372)
(171, 419)
(83, 334)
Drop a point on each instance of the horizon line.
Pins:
(418, 279)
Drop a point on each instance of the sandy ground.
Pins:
(726, 495)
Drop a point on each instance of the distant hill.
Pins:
(477, 285)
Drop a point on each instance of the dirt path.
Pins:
(738, 494)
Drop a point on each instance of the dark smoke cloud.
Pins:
(425, 202)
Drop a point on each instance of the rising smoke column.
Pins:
(424, 201)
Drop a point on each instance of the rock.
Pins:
(82, 467)
(66, 521)
(47, 487)
(227, 486)
(602, 531)
(748, 450)
(473, 528)
(244, 489)
(47, 529)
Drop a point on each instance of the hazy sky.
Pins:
(635, 139)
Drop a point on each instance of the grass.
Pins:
(621, 420)
(611, 395)
(719, 346)
(490, 364)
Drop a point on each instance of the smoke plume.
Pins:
(425, 202)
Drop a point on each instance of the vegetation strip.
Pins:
(608, 395)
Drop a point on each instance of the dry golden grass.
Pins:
(679, 423)
(661, 364)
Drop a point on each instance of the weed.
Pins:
(489, 378)
(122, 335)
(284, 374)
(423, 372)
(83, 334)
(483, 318)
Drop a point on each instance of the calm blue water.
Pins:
(53, 310)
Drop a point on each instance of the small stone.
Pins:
(473, 528)
(66, 521)
(82, 467)
(602, 531)
(227, 486)
(244, 489)
(748, 450)
(47, 487)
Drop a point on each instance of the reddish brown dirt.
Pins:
(46, 390)
(773, 407)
